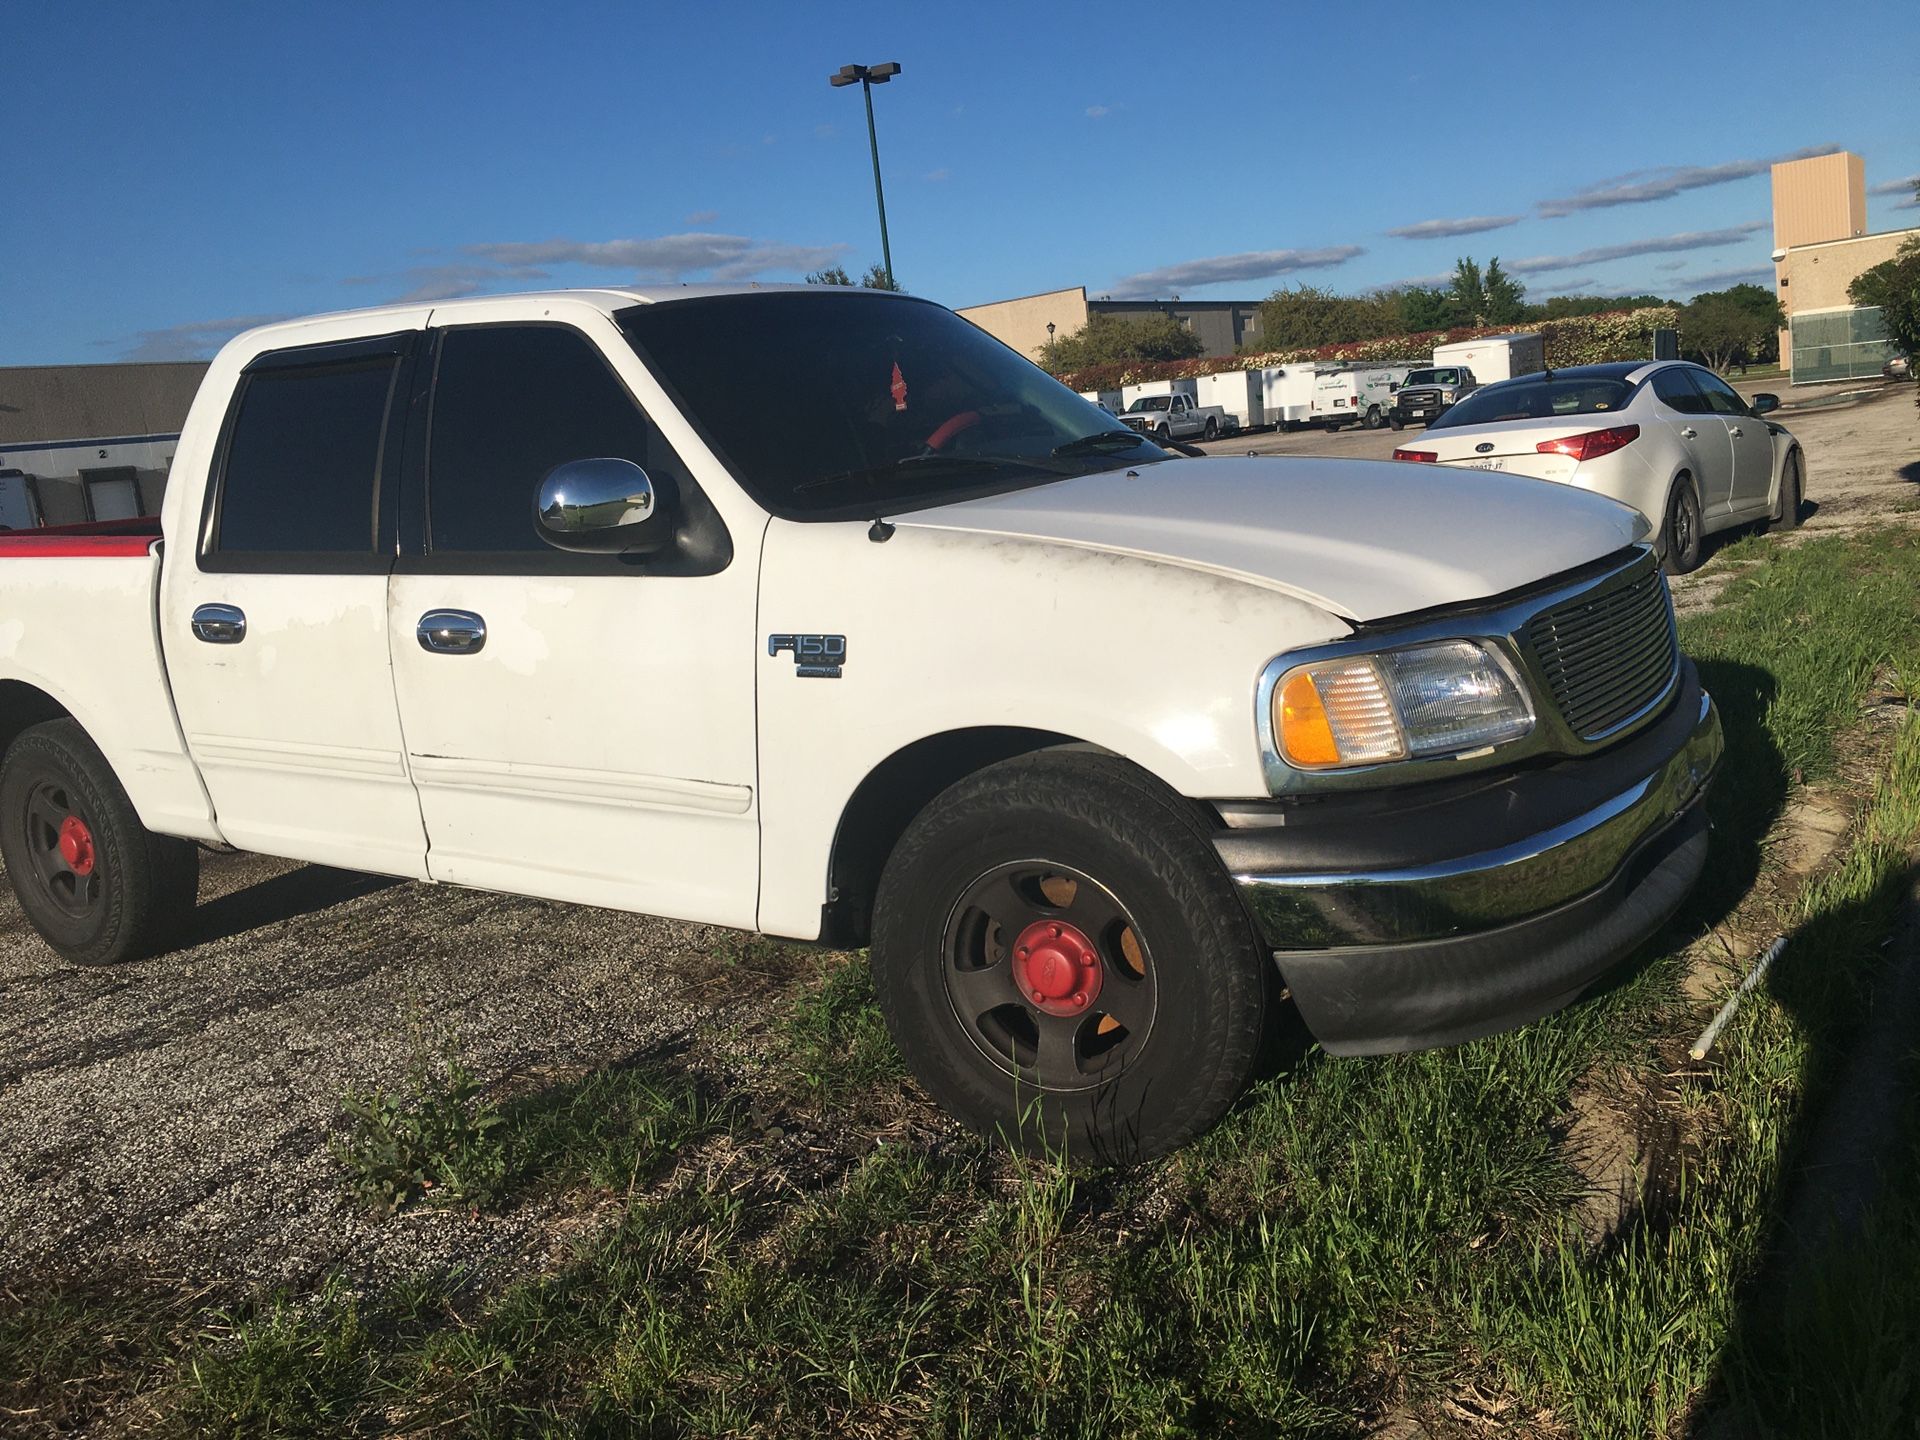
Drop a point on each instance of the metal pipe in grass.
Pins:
(1707, 1036)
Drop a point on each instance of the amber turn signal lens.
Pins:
(1305, 735)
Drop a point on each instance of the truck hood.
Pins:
(1363, 539)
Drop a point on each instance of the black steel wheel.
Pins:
(1063, 960)
(1681, 539)
(97, 884)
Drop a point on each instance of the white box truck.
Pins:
(1495, 357)
(1108, 400)
(1356, 395)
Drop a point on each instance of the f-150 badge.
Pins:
(815, 657)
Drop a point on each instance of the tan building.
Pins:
(1027, 323)
(1820, 245)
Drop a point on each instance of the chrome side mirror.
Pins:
(1763, 402)
(601, 507)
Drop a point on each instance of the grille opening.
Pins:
(1608, 657)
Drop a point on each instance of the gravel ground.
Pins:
(172, 1117)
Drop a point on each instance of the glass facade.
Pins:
(1838, 345)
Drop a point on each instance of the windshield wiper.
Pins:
(1099, 438)
(874, 473)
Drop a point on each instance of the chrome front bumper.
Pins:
(1406, 920)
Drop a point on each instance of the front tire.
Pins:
(1790, 496)
(1062, 960)
(96, 883)
(1374, 418)
(1681, 538)
(1396, 422)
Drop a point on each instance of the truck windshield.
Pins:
(1150, 402)
(1432, 377)
(1537, 397)
(833, 406)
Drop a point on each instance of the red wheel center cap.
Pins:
(76, 845)
(1056, 967)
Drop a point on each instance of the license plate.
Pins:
(1484, 464)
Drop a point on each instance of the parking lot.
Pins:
(172, 1118)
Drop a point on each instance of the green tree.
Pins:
(1467, 290)
(1424, 308)
(1741, 323)
(1894, 286)
(1561, 307)
(1506, 297)
(1107, 339)
(1306, 317)
(876, 278)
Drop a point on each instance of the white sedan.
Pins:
(1671, 439)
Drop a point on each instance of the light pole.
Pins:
(869, 76)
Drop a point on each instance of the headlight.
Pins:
(1427, 700)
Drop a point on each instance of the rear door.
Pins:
(275, 631)
(1687, 412)
(1749, 442)
(597, 743)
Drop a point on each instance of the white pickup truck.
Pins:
(1103, 751)
(1178, 417)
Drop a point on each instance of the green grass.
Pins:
(1356, 1236)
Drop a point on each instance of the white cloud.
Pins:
(1221, 269)
(1441, 229)
(1641, 186)
(1658, 245)
(703, 217)
(195, 340)
(662, 257)
(937, 175)
(1905, 186)
(1100, 112)
(1720, 280)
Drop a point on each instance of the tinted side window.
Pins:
(303, 460)
(509, 403)
(1721, 398)
(1675, 389)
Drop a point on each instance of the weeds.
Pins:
(432, 1139)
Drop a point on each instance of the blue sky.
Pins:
(173, 173)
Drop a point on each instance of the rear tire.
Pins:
(1790, 496)
(97, 884)
(1212, 432)
(1680, 534)
(1163, 992)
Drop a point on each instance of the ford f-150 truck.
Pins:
(1103, 752)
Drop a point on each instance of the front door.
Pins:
(1749, 442)
(1702, 434)
(589, 735)
(275, 631)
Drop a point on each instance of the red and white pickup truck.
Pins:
(1097, 747)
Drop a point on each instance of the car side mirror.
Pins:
(1762, 403)
(601, 507)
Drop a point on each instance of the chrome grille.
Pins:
(1608, 656)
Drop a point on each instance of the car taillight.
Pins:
(1426, 457)
(1593, 444)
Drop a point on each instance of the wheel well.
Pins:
(23, 705)
(884, 804)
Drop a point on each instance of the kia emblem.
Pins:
(1483, 447)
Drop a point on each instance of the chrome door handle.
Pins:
(220, 624)
(1689, 433)
(1738, 432)
(452, 632)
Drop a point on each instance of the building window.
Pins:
(112, 493)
